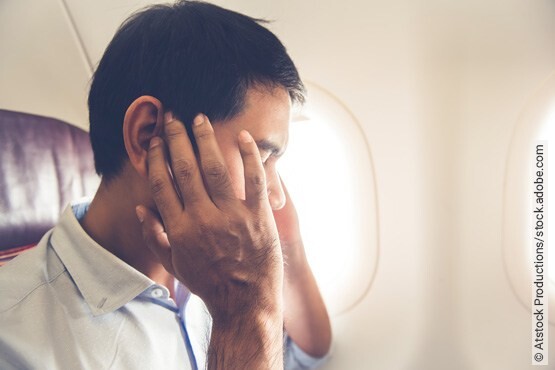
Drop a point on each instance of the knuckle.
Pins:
(183, 168)
(258, 187)
(174, 129)
(204, 134)
(215, 169)
(257, 180)
(157, 184)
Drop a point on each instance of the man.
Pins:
(190, 254)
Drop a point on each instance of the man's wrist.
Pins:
(256, 314)
(252, 339)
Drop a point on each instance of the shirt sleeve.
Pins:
(297, 359)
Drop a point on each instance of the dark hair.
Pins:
(194, 57)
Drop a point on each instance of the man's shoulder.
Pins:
(24, 275)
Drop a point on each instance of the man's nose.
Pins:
(276, 195)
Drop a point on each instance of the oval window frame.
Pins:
(517, 198)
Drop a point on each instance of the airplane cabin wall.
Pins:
(437, 88)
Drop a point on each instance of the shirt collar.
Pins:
(105, 281)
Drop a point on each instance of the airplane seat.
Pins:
(45, 164)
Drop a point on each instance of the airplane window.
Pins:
(326, 169)
(536, 126)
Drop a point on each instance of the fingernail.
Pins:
(154, 141)
(245, 137)
(140, 214)
(168, 117)
(199, 119)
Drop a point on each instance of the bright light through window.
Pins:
(328, 172)
(320, 174)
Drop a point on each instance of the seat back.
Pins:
(44, 164)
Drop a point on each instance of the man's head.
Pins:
(187, 58)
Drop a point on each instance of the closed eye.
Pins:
(265, 158)
(268, 146)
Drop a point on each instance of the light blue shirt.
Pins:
(71, 304)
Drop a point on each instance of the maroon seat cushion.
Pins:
(6, 255)
(44, 164)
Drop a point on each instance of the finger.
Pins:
(277, 212)
(212, 162)
(256, 192)
(161, 186)
(283, 186)
(288, 201)
(155, 236)
(183, 162)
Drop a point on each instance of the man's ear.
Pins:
(143, 120)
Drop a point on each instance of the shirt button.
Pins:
(157, 293)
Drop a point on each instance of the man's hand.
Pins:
(224, 249)
(287, 223)
(306, 318)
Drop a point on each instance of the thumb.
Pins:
(155, 236)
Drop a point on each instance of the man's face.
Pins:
(266, 117)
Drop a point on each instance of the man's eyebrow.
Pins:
(270, 146)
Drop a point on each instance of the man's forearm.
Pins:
(250, 341)
(306, 318)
